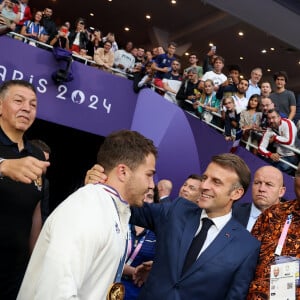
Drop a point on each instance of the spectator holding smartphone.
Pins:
(61, 39)
(208, 59)
(78, 38)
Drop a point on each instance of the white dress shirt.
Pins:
(254, 214)
(215, 229)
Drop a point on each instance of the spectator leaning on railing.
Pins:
(280, 132)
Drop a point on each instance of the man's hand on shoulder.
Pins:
(95, 175)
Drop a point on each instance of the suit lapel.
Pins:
(226, 235)
(242, 213)
(187, 236)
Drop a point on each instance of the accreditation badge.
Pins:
(116, 291)
(284, 279)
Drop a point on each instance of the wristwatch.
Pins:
(1, 160)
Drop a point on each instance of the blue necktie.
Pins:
(197, 244)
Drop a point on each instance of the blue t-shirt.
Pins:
(32, 27)
(162, 61)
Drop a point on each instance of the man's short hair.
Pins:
(172, 44)
(281, 74)
(8, 84)
(270, 111)
(218, 57)
(266, 81)
(235, 163)
(127, 147)
(193, 70)
(195, 176)
(193, 54)
(41, 145)
(234, 68)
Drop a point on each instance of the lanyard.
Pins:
(283, 234)
(208, 100)
(122, 261)
(137, 248)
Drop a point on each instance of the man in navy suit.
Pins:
(225, 265)
(267, 190)
(189, 190)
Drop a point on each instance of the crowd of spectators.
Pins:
(214, 95)
(235, 104)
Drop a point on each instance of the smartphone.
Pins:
(64, 30)
(214, 48)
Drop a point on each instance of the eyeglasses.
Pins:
(175, 64)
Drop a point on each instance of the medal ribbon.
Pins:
(122, 261)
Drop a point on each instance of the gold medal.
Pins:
(116, 292)
(38, 183)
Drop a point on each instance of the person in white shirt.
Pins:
(82, 243)
(240, 100)
(216, 74)
(172, 82)
(255, 77)
(124, 61)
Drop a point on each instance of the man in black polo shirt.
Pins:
(22, 167)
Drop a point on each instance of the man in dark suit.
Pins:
(189, 190)
(267, 190)
(226, 263)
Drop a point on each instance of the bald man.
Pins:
(267, 190)
(164, 187)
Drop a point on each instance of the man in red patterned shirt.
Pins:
(268, 229)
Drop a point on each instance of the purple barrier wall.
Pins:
(99, 103)
(92, 102)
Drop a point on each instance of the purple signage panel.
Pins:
(168, 126)
(95, 101)
(99, 103)
(185, 143)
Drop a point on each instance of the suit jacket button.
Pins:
(176, 285)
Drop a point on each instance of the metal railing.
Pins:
(87, 61)
(48, 47)
(248, 142)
